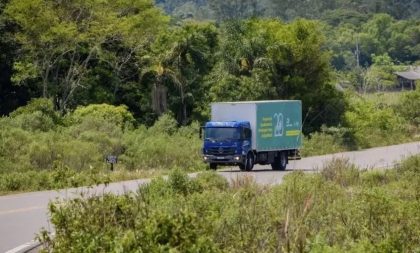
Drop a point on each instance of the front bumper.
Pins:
(224, 160)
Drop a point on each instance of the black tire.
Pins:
(213, 166)
(249, 163)
(280, 162)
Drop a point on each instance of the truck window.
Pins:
(247, 133)
(222, 133)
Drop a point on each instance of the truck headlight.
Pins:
(205, 158)
(237, 158)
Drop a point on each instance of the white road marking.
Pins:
(24, 247)
(21, 210)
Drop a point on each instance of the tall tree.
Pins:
(266, 59)
(11, 96)
(183, 56)
(236, 9)
(62, 40)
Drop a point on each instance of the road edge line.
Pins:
(25, 247)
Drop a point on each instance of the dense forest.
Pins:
(80, 79)
(133, 53)
(289, 10)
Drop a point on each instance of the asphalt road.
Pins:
(23, 215)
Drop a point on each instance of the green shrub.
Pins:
(328, 141)
(375, 124)
(338, 210)
(118, 115)
(409, 107)
(35, 121)
(81, 144)
(38, 105)
(162, 146)
(340, 171)
(212, 181)
(166, 124)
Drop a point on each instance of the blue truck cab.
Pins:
(227, 143)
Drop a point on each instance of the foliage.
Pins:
(377, 121)
(159, 146)
(120, 77)
(340, 209)
(266, 59)
(61, 177)
(33, 152)
(345, 10)
(353, 45)
(381, 73)
(126, 52)
(62, 42)
(118, 115)
(38, 114)
(327, 141)
(409, 107)
(180, 59)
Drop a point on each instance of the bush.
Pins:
(166, 124)
(81, 144)
(409, 107)
(375, 124)
(163, 146)
(328, 141)
(38, 115)
(41, 105)
(334, 211)
(118, 115)
(340, 171)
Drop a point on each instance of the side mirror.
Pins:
(201, 133)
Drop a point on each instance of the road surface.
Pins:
(23, 215)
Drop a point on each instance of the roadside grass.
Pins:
(340, 209)
(61, 178)
(41, 150)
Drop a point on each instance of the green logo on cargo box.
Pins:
(278, 125)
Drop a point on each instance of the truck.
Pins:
(253, 132)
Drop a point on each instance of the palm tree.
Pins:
(181, 65)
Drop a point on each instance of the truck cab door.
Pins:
(247, 137)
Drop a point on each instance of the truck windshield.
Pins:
(219, 133)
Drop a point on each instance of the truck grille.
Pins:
(221, 151)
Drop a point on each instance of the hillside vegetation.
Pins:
(340, 209)
(40, 149)
(80, 80)
(77, 53)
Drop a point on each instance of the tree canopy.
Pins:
(132, 53)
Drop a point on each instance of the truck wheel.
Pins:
(280, 162)
(213, 166)
(249, 163)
